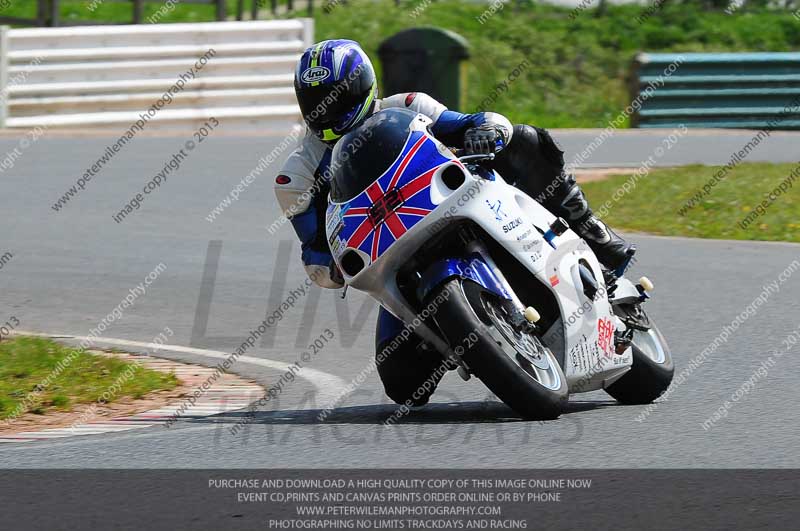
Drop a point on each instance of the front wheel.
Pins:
(511, 362)
(652, 368)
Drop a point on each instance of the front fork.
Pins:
(478, 267)
(523, 318)
(476, 247)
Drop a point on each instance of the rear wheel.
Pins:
(511, 361)
(652, 368)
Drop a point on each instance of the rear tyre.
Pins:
(514, 365)
(652, 369)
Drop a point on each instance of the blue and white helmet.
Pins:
(335, 86)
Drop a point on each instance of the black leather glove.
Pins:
(481, 140)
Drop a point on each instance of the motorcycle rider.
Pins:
(336, 90)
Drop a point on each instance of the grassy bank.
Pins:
(739, 207)
(72, 377)
(576, 63)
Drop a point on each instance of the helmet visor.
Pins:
(327, 106)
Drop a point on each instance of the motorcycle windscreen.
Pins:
(366, 152)
(381, 185)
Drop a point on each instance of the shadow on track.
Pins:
(434, 413)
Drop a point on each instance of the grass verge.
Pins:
(748, 204)
(575, 68)
(72, 377)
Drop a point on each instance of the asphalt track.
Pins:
(71, 268)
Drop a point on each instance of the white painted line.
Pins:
(45, 435)
(77, 430)
(110, 427)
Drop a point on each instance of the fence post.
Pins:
(137, 11)
(221, 10)
(41, 13)
(54, 12)
(310, 7)
(634, 87)
(3, 75)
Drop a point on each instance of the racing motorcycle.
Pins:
(521, 302)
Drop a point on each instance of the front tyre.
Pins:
(513, 364)
(652, 369)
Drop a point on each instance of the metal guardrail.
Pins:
(726, 90)
(92, 76)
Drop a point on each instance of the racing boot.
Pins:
(611, 250)
(534, 163)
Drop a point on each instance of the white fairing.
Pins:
(585, 333)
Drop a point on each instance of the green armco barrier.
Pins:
(730, 90)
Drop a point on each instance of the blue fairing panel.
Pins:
(472, 268)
